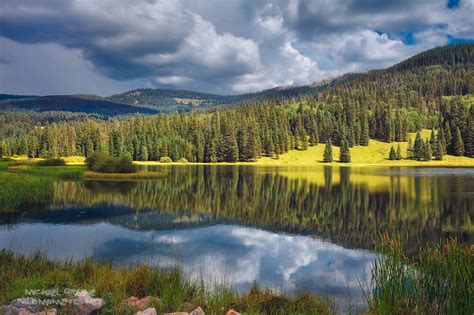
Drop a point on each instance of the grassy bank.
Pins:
(439, 279)
(114, 285)
(25, 185)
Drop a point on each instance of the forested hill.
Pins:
(461, 54)
(430, 90)
(89, 104)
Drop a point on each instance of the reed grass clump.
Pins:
(52, 162)
(436, 280)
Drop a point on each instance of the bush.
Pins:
(165, 159)
(103, 163)
(52, 162)
(183, 160)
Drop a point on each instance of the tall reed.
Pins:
(436, 280)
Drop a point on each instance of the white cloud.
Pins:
(226, 47)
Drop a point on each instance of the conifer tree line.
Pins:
(242, 133)
(432, 90)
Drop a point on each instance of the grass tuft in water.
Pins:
(437, 280)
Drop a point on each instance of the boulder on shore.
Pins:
(87, 305)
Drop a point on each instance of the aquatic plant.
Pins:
(436, 280)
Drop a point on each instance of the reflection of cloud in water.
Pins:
(241, 255)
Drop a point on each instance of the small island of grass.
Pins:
(104, 167)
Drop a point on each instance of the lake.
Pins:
(289, 229)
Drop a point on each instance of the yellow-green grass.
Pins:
(123, 176)
(375, 154)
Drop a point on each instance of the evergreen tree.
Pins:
(418, 148)
(143, 153)
(392, 155)
(427, 153)
(410, 153)
(458, 144)
(438, 150)
(469, 143)
(344, 153)
(327, 157)
(399, 153)
(364, 130)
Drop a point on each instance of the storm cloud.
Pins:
(107, 46)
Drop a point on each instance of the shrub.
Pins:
(183, 160)
(52, 162)
(103, 163)
(165, 159)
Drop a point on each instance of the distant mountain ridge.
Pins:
(152, 101)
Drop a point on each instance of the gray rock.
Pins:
(148, 311)
(87, 305)
(25, 305)
(197, 311)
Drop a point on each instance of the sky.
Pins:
(218, 46)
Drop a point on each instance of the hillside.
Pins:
(70, 103)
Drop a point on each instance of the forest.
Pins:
(431, 90)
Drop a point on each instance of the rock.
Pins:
(177, 313)
(197, 311)
(148, 311)
(87, 305)
(232, 312)
(25, 305)
(141, 304)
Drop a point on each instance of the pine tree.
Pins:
(364, 130)
(418, 147)
(441, 140)
(327, 157)
(469, 142)
(438, 150)
(427, 154)
(392, 154)
(344, 153)
(458, 144)
(399, 153)
(143, 153)
(410, 153)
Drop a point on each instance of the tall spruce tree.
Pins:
(399, 153)
(327, 157)
(418, 148)
(458, 143)
(392, 155)
(344, 153)
(427, 153)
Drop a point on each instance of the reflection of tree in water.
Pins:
(344, 211)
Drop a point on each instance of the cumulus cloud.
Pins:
(220, 46)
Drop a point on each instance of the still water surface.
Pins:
(290, 229)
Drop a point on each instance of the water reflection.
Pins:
(288, 228)
(348, 206)
(217, 253)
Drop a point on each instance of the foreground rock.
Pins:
(197, 311)
(25, 306)
(142, 304)
(87, 305)
(148, 311)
